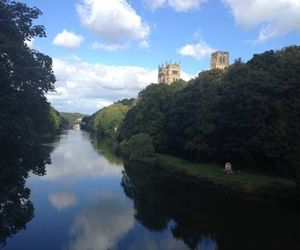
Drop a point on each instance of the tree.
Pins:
(248, 114)
(261, 109)
(107, 120)
(138, 146)
(192, 118)
(26, 76)
(150, 114)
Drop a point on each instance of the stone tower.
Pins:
(219, 60)
(168, 73)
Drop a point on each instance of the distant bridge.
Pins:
(77, 124)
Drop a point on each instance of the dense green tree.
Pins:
(191, 119)
(138, 146)
(261, 110)
(248, 114)
(26, 76)
(107, 120)
(150, 114)
(69, 120)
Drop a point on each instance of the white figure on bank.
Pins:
(228, 168)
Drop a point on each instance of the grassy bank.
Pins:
(242, 182)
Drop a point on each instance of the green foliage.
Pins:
(191, 118)
(26, 76)
(106, 121)
(248, 114)
(138, 146)
(55, 119)
(149, 115)
(261, 112)
(240, 181)
(70, 119)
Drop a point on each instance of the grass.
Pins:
(239, 181)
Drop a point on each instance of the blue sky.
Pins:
(104, 50)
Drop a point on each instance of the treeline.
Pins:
(26, 76)
(248, 114)
(69, 120)
(106, 121)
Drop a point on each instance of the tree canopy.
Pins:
(150, 114)
(107, 120)
(26, 76)
(248, 114)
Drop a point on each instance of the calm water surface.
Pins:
(88, 200)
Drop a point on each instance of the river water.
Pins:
(88, 200)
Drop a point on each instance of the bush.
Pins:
(138, 146)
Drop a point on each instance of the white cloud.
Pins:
(103, 226)
(68, 39)
(62, 200)
(87, 87)
(184, 6)
(274, 18)
(197, 51)
(144, 44)
(155, 4)
(108, 47)
(185, 76)
(113, 20)
(177, 5)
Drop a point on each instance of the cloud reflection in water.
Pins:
(102, 226)
(75, 158)
(62, 200)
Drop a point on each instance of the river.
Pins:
(88, 200)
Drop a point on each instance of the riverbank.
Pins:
(239, 182)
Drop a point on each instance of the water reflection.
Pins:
(204, 218)
(101, 226)
(79, 200)
(157, 243)
(16, 210)
(62, 200)
(80, 204)
(106, 147)
(74, 158)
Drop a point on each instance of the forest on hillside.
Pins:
(248, 114)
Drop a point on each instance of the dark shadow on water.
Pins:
(16, 209)
(105, 146)
(200, 212)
